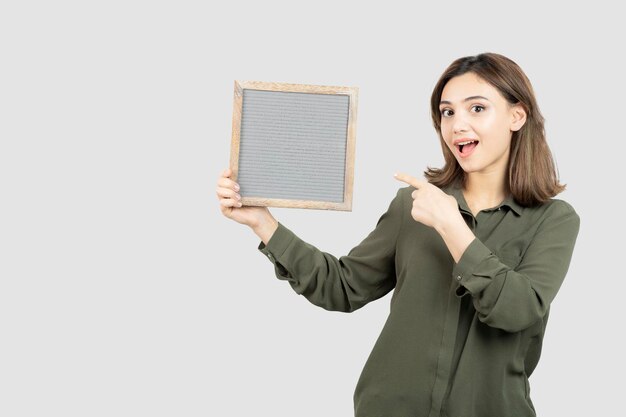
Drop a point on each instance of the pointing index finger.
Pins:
(409, 179)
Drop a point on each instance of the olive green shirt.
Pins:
(461, 338)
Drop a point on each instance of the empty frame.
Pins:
(293, 144)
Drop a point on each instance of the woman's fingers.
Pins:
(230, 202)
(228, 198)
(228, 183)
(227, 193)
(227, 190)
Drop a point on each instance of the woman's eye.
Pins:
(448, 112)
(478, 107)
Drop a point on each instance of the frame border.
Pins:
(351, 92)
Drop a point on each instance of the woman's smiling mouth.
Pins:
(465, 147)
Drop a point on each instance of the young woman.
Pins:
(474, 255)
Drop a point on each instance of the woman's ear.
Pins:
(518, 117)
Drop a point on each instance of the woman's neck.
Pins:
(484, 191)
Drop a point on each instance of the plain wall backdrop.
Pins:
(123, 289)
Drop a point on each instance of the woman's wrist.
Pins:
(456, 235)
(450, 223)
(265, 228)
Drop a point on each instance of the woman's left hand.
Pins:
(431, 206)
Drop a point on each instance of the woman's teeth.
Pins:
(472, 144)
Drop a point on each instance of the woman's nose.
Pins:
(460, 125)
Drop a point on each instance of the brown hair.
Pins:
(532, 176)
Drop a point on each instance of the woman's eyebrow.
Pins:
(467, 99)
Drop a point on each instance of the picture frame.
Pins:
(293, 145)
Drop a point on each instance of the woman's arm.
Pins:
(266, 228)
(456, 235)
(514, 299)
(347, 283)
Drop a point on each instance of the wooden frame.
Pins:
(239, 119)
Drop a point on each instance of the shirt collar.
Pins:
(454, 189)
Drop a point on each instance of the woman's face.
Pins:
(472, 109)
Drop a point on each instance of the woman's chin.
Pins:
(469, 167)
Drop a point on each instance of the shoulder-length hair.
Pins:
(532, 177)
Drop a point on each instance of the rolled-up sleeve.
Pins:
(514, 299)
(347, 283)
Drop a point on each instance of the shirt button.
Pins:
(458, 277)
(499, 208)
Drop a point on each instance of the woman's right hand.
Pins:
(230, 203)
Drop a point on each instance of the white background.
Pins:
(124, 291)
